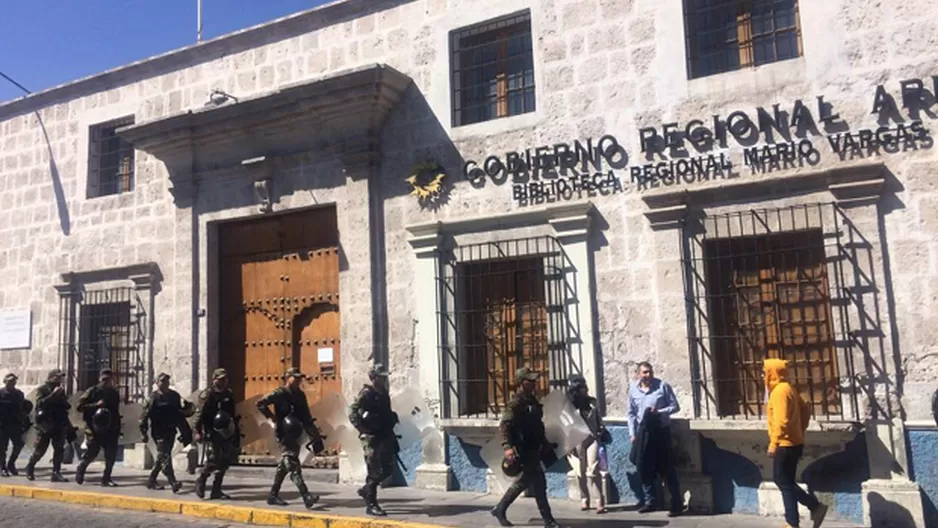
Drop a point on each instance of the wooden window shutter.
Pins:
(744, 34)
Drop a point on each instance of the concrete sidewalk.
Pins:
(340, 507)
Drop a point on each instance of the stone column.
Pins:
(433, 472)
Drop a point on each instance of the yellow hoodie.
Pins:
(788, 414)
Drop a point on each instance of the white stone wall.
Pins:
(602, 66)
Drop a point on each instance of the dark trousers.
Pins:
(656, 460)
(532, 476)
(107, 441)
(289, 465)
(379, 460)
(164, 458)
(57, 439)
(10, 434)
(784, 469)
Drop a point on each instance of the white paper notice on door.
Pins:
(326, 355)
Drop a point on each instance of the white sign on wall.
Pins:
(15, 329)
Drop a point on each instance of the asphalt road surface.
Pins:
(28, 513)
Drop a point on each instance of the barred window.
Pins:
(492, 70)
(727, 35)
(104, 329)
(110, 160)
(772, 283)
(502, 306)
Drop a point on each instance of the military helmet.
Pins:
(223, 424)
(377, 371)
(45, 422)
(290, 427)
(101, 420)
(511, 468)
(27, 406)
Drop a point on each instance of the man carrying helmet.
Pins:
(100, 408)
(372, 416)
(52, 425)
(525, 442)
(291, 417)
(215, 421)
(162, 414)
(13, 419)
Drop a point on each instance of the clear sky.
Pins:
(44, 43)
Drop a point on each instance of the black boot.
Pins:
(551, 524)
(151, 482)
(176, 486)
(216, 489)
(499, 513)
(309, 500)
(152, 485)
(80, 473)
(31, 471)
(273, 498)
(3, 469)
(11, 467)
(375, 510)
(57, 477)
(200, 487)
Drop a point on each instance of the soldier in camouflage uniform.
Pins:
(102, 432)
(52, 424)
(217, 424)
(165, 410)
(12, 424)
(524, 439)
(291, 416)
(372, 416)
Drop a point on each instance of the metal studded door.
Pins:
(279, 298)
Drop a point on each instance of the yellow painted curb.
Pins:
(271, 518)
(242, 515)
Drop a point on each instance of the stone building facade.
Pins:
(622, 193)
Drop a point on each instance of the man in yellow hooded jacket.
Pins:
(788, 415)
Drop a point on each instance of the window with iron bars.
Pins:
(772, 283)
(502, 306)
(110, 160)
(104, 329)
(727, 35)
(492, 68)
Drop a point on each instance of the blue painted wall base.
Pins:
(923, 451)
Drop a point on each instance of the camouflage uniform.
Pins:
(289, 403)
(372, 416)
(53, 428)
(522, 429)
(164, 409)
(220, 452)
(108, 438)
(13, 422)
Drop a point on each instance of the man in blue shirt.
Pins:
(651, 404)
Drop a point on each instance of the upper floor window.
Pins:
(492, 70)
(110, 160)
(727, 35)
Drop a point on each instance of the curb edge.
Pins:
(238, 514)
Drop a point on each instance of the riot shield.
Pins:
(76, 419)
(190, 420)
(563, 425)
(415, 418)
(254, 426)
(30, 435)
(130, 423)
(331, 414)
(493, 454)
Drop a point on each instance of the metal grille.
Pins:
(501, 305)
(492, 70)
(778, 283)
(104, 329)
(111, 160)
(727, 35)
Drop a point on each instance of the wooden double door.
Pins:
(280, 305)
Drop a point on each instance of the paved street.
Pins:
(457, 509)
(22, 513)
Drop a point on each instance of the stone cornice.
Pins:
(566, 219)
